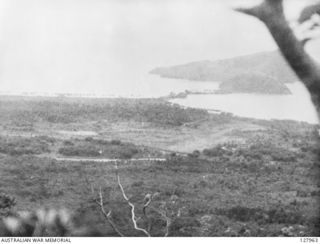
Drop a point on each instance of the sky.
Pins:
(74, 45)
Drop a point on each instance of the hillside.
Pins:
(253, 83)
(240, 177)
(267, 64)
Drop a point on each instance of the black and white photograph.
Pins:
(159, 118)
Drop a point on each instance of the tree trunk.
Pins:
(270, 12)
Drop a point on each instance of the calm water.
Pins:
(297, 106)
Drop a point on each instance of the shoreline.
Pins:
(168, 98)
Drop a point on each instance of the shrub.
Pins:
(262, 150)
(68, 143)
(127, 152)
(89, 151)
(116, 142)
(89, 139)
(183, 226)
(217, 151)
(278, 215)
(6, 204)
(17, 146)
(6, 201)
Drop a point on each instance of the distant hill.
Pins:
(270, 67)
(253, 83)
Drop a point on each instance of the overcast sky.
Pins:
(57, 45)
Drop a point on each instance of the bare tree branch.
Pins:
(163, 214)
(167, 219)
(107, 215)
(101, 205)
(264, 10)
(309, 11)
(308, 30)
(133, 216)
